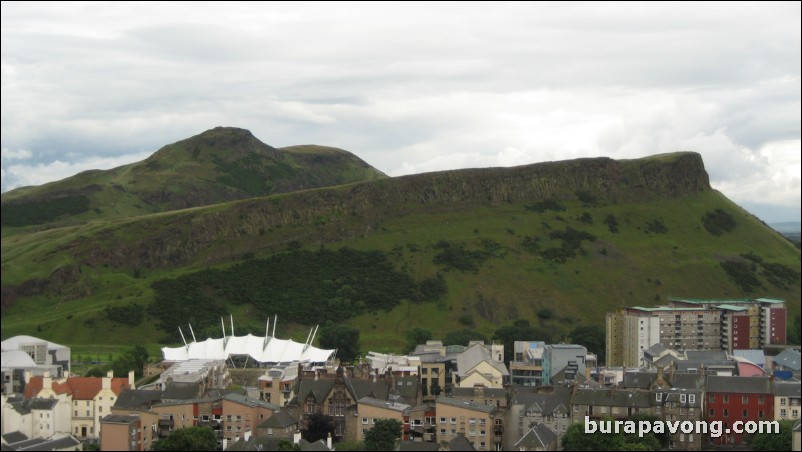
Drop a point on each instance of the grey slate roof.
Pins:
(466, 404)
(640, 379)
(706, 355)
(14, 437)
(318, 388)
(181, 391)
(787, 388)
(368, 388)
(136, 399)
(739, 385)
(688, 381)
(318, 445)
(494, 393)
(281, 419)
(789, 358)
(24, 406)
(474, 355)
(547, 404)
(417, 446)
(251, 402)
(120, 418)
(539, 436)
(45, 444)
(606, 397)
(407, 387)
(256, 443)
(400, 407)
(461, 443)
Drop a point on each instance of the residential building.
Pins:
(422, 423)
(526, 368)
(277, 385)
(483, 425)
(549, 406)
(120, 432)
(35, 418)
(731, 399)
(690, 324)
(280, 425)
(90, 398)
(539, 437)
(241, 414)
(207, 373)
(481, 364)
(788, 361)
(371, 410)
(479, 394)
(787, 400)
(598, 403)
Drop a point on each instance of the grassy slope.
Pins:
(581, 291)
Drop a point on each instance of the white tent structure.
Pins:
(267, 349)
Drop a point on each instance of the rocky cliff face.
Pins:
(228, 231)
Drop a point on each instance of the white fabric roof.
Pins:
(276, 351)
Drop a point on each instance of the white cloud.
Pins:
(20, 175)
(19, 154)
(410, 88)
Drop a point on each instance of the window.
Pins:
(690, 437)
(658, 396)
(760, 414)
(310, 405)
(691, 398)
(726, 399)
(712, 398)
(683, 398)
(228, 418)
(442, 420)
(364, 421)
(744, 399)
(239, 418)
(442, 431)
(743, 413)
(795, 413)
(760, 400)
(782, 412)
(726, 412)
(453, 420)
(472, 421)
(782, 401)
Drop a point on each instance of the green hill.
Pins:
(448, 250)
(222, 164)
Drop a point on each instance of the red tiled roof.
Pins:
(81, 388)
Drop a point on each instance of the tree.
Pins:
(772, 441)
(576, 439)
(342, 337)
(417, 335)
(286, 446)
(463, 337)
(318, 427)
(592, 337)
(190, 438)
(383, 435)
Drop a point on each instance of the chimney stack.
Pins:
(131, 379)
(328, 441)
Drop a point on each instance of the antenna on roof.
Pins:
(275, 321)
(182, 337)
(193, 333)
(308, 336)
(231, 316)
(223, 324)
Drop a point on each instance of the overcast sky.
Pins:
(412, 88)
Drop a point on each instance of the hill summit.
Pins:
(218, 165)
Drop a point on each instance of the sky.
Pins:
(412, 88)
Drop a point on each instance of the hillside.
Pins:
(221, 164)
(470, 248)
